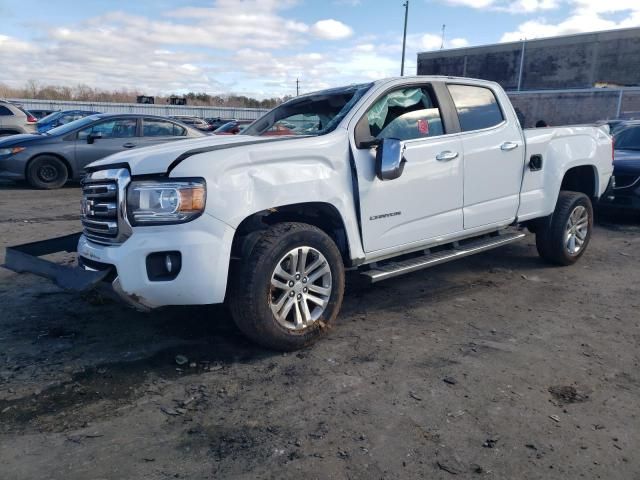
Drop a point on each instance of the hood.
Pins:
(22, 139)
(626, 161)
(162, 158)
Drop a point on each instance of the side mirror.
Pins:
(390, 159)
(92, 137)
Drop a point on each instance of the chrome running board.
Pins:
(389, 269)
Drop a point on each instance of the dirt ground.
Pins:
(496, 366)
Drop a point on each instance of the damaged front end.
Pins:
(86, 275)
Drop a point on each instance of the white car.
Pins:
(15, 120)
(400, 174)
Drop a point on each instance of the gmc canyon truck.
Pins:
(385, 178)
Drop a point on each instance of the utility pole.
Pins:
(404, 37)
(297, 87)
(442, 43)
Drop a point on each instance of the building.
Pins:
(570, 79)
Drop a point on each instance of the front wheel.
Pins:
(564, 239)
(288, 290)
(47, 172)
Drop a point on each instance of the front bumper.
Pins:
(12, 167)
(204, 244)
(624, 198)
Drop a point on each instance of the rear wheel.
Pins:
(287, 292)
(564, 239)
(47, 172)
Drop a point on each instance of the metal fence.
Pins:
(572, 106)
(162, 110)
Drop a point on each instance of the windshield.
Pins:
(71, 126)
(628, 138)
(50, 117)
(314, 114)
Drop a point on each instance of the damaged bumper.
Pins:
(81, 278)
(126, 271)
(26, 258)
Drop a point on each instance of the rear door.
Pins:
(493, 156)
(426, 200)
(118, 134)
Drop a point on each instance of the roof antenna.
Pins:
(442, 44)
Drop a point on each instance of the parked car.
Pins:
(15, 120)
(217, 122)
(61, 117)
(194, 122)
(234, 127)
(49, 160)
(625, 194)
(400, 175)
(39, 114)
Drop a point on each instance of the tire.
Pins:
(558, 241)
(263, 298)
(47, 172)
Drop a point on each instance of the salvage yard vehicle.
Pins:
(14, 120)
(399, 175)
(49, 160)
(61, 117)
(625, 193)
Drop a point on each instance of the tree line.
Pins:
(84, 93)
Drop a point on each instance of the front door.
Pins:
(115, 135)
(426, 200)
(493, 157)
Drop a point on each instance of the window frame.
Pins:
(442, 99)
(10, 114)
(455, 109)
(114, 119)
(167, 120)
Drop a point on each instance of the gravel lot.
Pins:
(497, 366)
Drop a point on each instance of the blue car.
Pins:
(626, 169)
(61, 117)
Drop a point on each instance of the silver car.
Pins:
(15, 120)
(48, 160)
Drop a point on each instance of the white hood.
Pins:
(158, 158)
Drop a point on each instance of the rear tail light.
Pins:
(613, 149)
(31, 119)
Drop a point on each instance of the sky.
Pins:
(260, 47)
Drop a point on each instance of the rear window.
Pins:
(477, 107)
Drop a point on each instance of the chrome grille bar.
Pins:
(104, 206)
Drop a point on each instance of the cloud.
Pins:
(331, 30)
(585, 16)
(510, 6)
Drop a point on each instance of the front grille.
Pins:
(104, 206)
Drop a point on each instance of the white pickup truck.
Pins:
(384, 178)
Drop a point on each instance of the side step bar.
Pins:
(393, 269)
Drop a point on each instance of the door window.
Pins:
(117, 128)
(5, 112)
(162, 128)
(405, 114)
(477, 107)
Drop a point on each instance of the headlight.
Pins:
(11, 151)
(161, 203)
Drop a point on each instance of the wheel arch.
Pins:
(322, 215)
(66, 163)
(583, 179)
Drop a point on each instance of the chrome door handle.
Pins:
(446, 156)
(508, 146)
(129, 145)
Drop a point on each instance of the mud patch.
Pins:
(567, 394)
